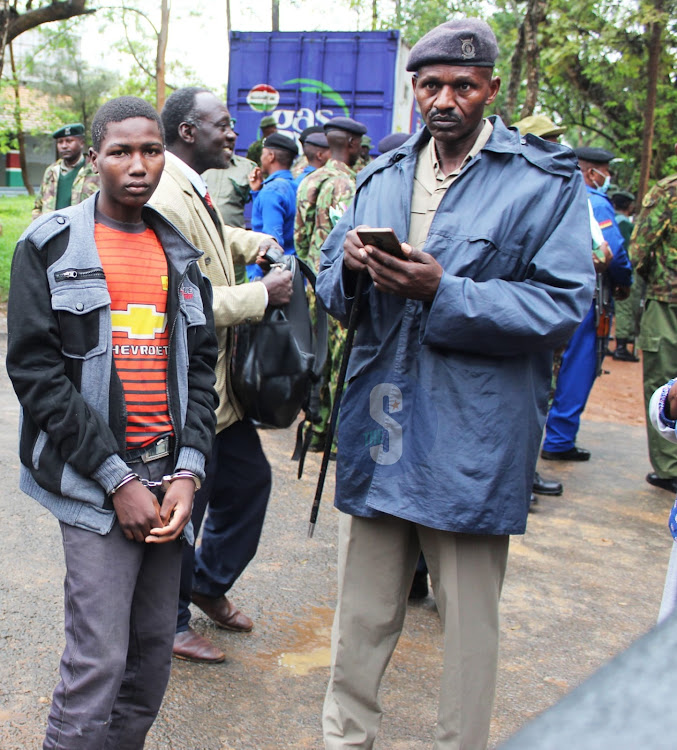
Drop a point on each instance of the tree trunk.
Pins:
(655, 32)
(276, 15)
(374, 15)
(19, 125)
(534, 17)
(229, 24)
(515, 77)
(161, 91)
(11, 25)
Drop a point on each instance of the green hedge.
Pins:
(15, 216)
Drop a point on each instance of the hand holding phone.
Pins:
(384, 239)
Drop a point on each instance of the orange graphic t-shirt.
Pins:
(136, 274)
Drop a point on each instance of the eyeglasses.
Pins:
(222, 125)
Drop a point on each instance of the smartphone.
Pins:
(384, 239)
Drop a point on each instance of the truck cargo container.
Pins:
(306, 78)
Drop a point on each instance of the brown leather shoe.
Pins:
(223, 612)
(191, 646)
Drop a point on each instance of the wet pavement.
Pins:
(582, 584)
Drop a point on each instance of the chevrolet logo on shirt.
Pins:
(139, 321)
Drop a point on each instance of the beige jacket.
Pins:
(176, 199)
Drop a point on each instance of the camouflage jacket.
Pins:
(653, 246)
(254, 151)
(86, 183)
(299, 165)
(321, 200)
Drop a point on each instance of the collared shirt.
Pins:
(66, 168)
(195, 179)
(306, 171)
(430, 184)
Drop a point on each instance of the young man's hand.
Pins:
(137, 509)
(175, 511)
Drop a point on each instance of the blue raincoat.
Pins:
(442, 416)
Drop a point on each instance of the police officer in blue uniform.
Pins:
(579, 362)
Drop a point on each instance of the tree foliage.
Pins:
(18, 17)
(57, 68)
(584, 63)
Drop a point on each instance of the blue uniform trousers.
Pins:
(236, 490)
(575, 381)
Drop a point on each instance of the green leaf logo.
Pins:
(311, 86)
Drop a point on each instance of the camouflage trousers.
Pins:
(628, 311)
(336, 347)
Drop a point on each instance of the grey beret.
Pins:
(317, 139)
(594, 155)
(392, 141)
(465, 41)
(312, 129)
(347, 124)
(277, 140)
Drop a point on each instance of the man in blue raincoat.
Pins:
(448, 380)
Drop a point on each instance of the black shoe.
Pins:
(623, 354)
(419, 586)
(665, 483)
(546, 486)
(573, 454)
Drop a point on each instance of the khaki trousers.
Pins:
(377, 559)
(658, 342)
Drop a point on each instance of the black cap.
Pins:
(313, 129)
(624, 194)
(465, 41)
(277, 140)
(594, 155)
(392, 141)
(347, 124)
(317, 139)
(75, 128)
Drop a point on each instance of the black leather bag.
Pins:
(277, 363)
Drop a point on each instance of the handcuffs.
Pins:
(163, 483)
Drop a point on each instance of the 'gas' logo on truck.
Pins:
(263, 98)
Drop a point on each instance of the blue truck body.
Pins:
(306, 78)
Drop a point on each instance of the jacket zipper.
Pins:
(169, 365)
(79, 273)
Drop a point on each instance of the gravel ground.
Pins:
(582, 584)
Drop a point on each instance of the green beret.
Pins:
(366, 141)
(267, 121)
(539, 125)
(75, 128)
(465, 41)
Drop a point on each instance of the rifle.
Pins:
(602, 303)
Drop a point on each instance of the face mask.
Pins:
(605, 185)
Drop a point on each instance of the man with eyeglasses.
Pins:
(198, 129)
(229, 189)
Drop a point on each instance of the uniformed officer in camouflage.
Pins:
(229, 191)
(321, 200)
(70, 179)
(653, 250)
(324, 195)
(365, 157)
(268, 126)
(300, 166)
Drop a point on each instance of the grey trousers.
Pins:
(120, 616)
(377, 559)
